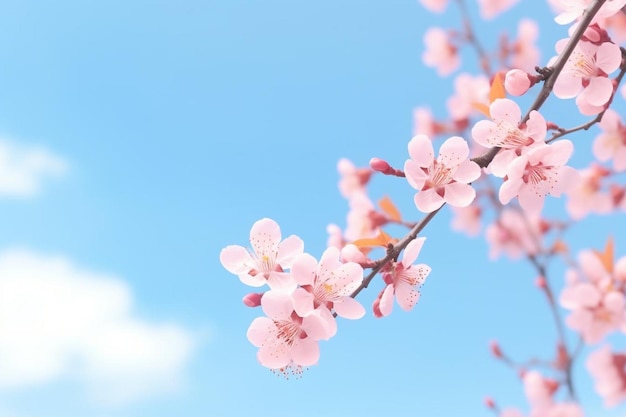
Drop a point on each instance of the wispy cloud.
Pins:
(23, 169)
(57, 320)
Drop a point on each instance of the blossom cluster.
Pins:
(305, 295)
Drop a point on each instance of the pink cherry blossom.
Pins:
(611, 143)
(361, 219)
(468, 90)
(537, 173)
(588, 196)
(514, 234)
(538, 389)
(517, 82)
(269, 257)
(353, 180)
(441, 180)
(597, 307)
(327, 284)
(283, 337)
(571, 10)
(491, 8)
(503, 132)
(608, 369)
(437, 6)
(467, 219)
(585, 73)
(440, 53)
(423, 122)
(525, 54)
(402, 279)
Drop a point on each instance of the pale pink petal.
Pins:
(407, 296)
(482, 131)
(319, 325)
(305, 352)
(428, 201)
(280, 281)
(412, 250)
(453, 151)
(264, 237)
(349, 308)
(260, 329)
(277, 304)
(608, 57)
(598, 92)
(536, 126)
(288, 250)
(386, 301)
(415, 175)
(236, 259)
(500, 163)
(274, 354)
(505, 109)
(467, 171)
(302, 302)
(459, 194)
(330, 260)
(509, 190)
(304, 269)
(421, 150)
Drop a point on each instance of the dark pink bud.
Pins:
(253, 299)
(517, 82)
(495, 349)
(379, 165)
(540, 282)
(490, 403)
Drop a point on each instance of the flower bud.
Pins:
(517, 82)
(253, 299)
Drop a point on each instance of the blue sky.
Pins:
(165, 129)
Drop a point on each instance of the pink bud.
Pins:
(253, 299)
(540, 282)
(376, 308)
(517, 82)
(379, 165)
(490, 403)
(495, 349)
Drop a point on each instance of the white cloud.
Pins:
(57, 320)
(22, 169)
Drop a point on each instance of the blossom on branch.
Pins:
(611, 144)
(268, 260)
(585, 74)
(401, 279)
(609, 372)
(327, 284)
(286, 339)
(537, 173)
(440, 52)
(503, 132)
(442, 180)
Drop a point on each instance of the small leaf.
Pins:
(607, 257)
(497, 88)
(390, 209)
(383, 240)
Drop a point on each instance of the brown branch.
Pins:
(552, 74)
(585, 126)
(471, 37)
(394, 251)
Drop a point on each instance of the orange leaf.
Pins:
(497, 88)
(560, 247)
(383, 239)
(607, 257)
(390, 209)
(483, 108)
